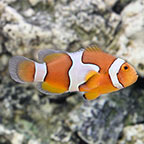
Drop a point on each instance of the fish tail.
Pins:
(22, 69)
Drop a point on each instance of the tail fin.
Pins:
(21, 69)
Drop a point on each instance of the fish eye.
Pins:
(125, 68)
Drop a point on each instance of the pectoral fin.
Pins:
(90, 86)
(91, 83)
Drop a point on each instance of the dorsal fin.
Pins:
(93, 48)
(46, 52)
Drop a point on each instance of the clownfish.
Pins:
(90, 71)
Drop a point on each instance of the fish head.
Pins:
(127, 75)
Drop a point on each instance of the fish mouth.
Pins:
(136, 77)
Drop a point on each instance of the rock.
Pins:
(62, 135)
(21, 35)
(34, 2)
(88, 27)
(34, 141)
(62, 29)
(8, 14)
(110, 3)
(133, 134)
(120, 5)
(1, 49)
(29, 12)
(15, 96)
(4, 61)
(102, 120)
(11, 135)
(30, 113)
(8, 1)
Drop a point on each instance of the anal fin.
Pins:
(48, 89)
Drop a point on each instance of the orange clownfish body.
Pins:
(89, 70)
